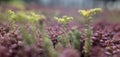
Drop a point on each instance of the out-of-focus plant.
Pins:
(47, 43)
(70, 39)
(64, 20)
(33, 18)
(74, 37)
(21, 17)
(88, 14)
(60, 44)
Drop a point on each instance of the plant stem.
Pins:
(88, 39)
(47, 43)
(66, 40)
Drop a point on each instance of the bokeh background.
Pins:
(51, 8)
(110, 4)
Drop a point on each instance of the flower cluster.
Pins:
(89, 13)
(64, 19)
(24, 16)
(32, 17)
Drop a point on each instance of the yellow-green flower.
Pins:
(64, 19)
(85, 13)
(24, 16)
(89, 13)
(32, 17)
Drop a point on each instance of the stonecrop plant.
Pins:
(88, 15)
(70, 39)
(64, 20)
(28, 38)
(25, 17)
